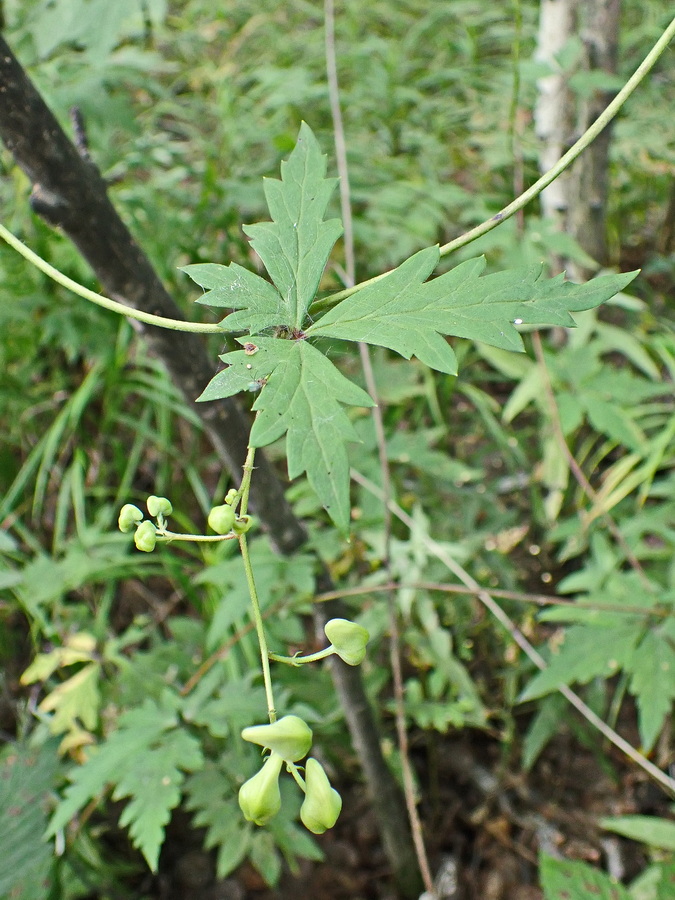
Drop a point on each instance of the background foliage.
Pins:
(186, 108)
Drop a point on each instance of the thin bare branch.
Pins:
(517, 635)
(378, 423)
(517, 596)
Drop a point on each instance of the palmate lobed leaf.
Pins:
(301, 391)
(652, 668)
(409, 315)
(296, 244)
(294, 247)
(301, 396)
(586, 653)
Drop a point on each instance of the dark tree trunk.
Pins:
(69, 193)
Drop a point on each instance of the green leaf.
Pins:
(394, 313)
(563, 879)
(611, 419)
(656, 882)
(76, 698)
(301, 396)
(145, 760)
(263, 854)
(258, 303)
(153, 783)
(209, 796)
(544, 725)
(649, 830)
(296, 245)
(585, 653)
(409, 316)
(653, 683)
(27, 778)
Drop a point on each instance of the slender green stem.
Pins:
(563, 163)
(301, 660)
(194, 538)
(575, 150)
(245, 488)
(98, 299)
(253, 593)
(293, 769)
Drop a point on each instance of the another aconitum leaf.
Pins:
(209, 797)
(301, 397)
(409, 316)
(564, 879)
(653, 681)
(145, 760)
(296, 244)
(586, 653)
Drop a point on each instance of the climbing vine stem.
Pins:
(563, 163)
(99, 299)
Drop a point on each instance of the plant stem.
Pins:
(378, 424)
(563, 163)
(245, 488)
(253, 593)
(99, 299)
(194, 538)
(293, 769)
(301, 660)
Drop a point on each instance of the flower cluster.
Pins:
(288, 741)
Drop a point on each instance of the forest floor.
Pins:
(485, 824)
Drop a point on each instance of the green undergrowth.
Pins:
(153, 657)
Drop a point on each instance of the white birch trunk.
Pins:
(577, 201)
(552, 119)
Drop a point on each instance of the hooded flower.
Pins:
(348, 639)
(290, 737)
(322, 804)
(259, 797)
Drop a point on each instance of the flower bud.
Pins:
(322, 804)
(231, 496)
(159, 506)
(259, 797)
(221, 519)
(129, 517)
(348, 639)
(146, 536)
(290, 737)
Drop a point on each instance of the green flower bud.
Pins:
(348, 639)
(290, 737)
(159, 506)
(242, 524)
(146, 536)
(231, 496)
(322, 804)
(259, 797)
(129, 517)
(221, 519)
